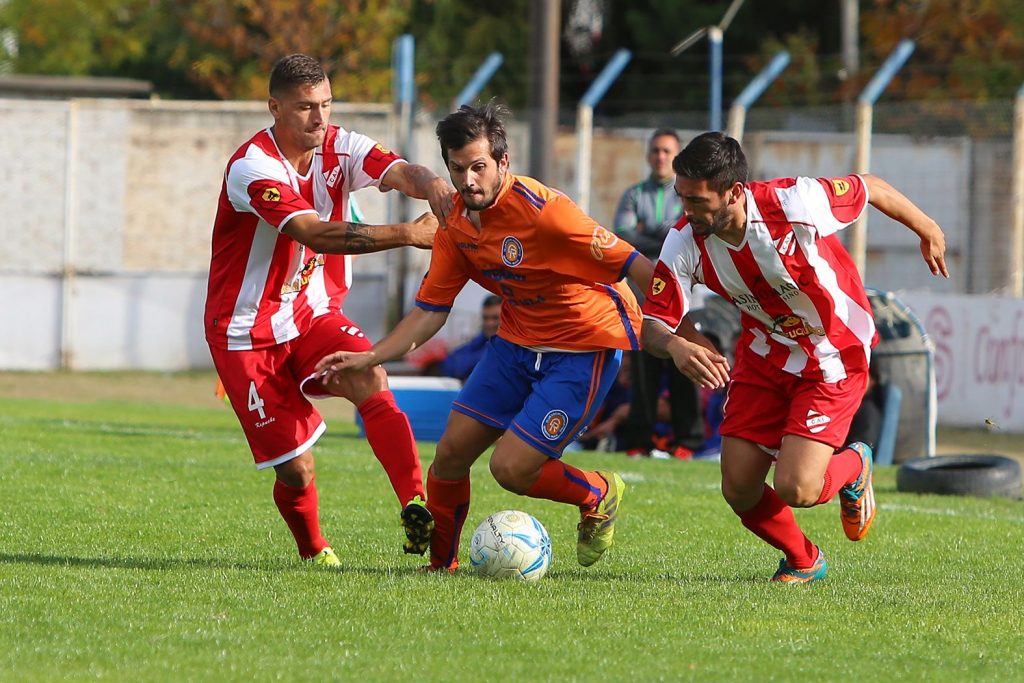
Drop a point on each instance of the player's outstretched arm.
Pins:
(704, 366)
(641, 270)
(411, 331)
(896, 206)
(343, 237)
(419, 182)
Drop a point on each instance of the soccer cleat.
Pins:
(794, 576)
(597, 526)
(635, 453)
(418, 524)
(682, 453)
(857, 500)
(326, 558)
(438, 569)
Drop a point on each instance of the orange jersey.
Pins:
(557, 271)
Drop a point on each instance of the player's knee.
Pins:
(297, 472)
(740, 497)
(508, 475)
(797, 492)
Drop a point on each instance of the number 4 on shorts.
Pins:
(255, 402)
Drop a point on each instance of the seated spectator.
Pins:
(607, 430)
(462, 359)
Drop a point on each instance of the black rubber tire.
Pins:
(961, 475)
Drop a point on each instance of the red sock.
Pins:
(390, 437)
(301, 511)
(448, 502)
(773, 522)
(843, 469)
(564, 483)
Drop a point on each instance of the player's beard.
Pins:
(719, 222)
(483, 200)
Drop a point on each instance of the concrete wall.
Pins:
(121, 194)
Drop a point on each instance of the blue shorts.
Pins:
(548, 399)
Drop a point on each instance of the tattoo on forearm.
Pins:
(359, 239)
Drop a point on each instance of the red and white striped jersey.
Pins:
(265, 288)
(802, 302)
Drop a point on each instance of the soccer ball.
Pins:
(510, 545)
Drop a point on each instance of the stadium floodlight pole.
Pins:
(862, 163)
(479, 79)
(754, 89)
(403, 65)
(585, 123)
(1017, 234)
(715, 34)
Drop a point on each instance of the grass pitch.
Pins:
(137, 542)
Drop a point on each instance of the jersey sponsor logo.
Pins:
(271, 194)
(499, 274)
(467, 246)
(601, 240)
(657, 286)
(554, 424)
(816, 422)
(304, 276)
(840, 186)
(761, 291)
(511, 252)
(794, 327)
(785, 245)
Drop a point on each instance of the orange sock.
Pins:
(301, 511)
(564, 483)
(843, 469)
(448, 502)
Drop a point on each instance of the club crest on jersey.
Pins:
(553, 425)
(786, 246)
(271, 194)
(382, 149)
(794, 327)
(601, 240)
(816, 422)
(511, 252)
(657, 286)
(840, 186)
(332, 177)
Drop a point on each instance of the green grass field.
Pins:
(137, 542)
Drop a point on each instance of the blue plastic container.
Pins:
(426, 400)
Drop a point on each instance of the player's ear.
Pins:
(274, 106)
(503, 162)
(735, 192)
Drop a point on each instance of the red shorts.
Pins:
(270, 388)
(765, 403)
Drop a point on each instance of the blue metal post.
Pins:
(715, 102)
(761, 82)
(479, 79)
(605, 79)
(893, 63)
(585, 123)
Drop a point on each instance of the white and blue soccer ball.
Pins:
(511, 545)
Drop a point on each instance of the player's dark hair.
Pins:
(462, 127)
(295, 70)
(662, 133)
(713, 157)
(491, 300)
